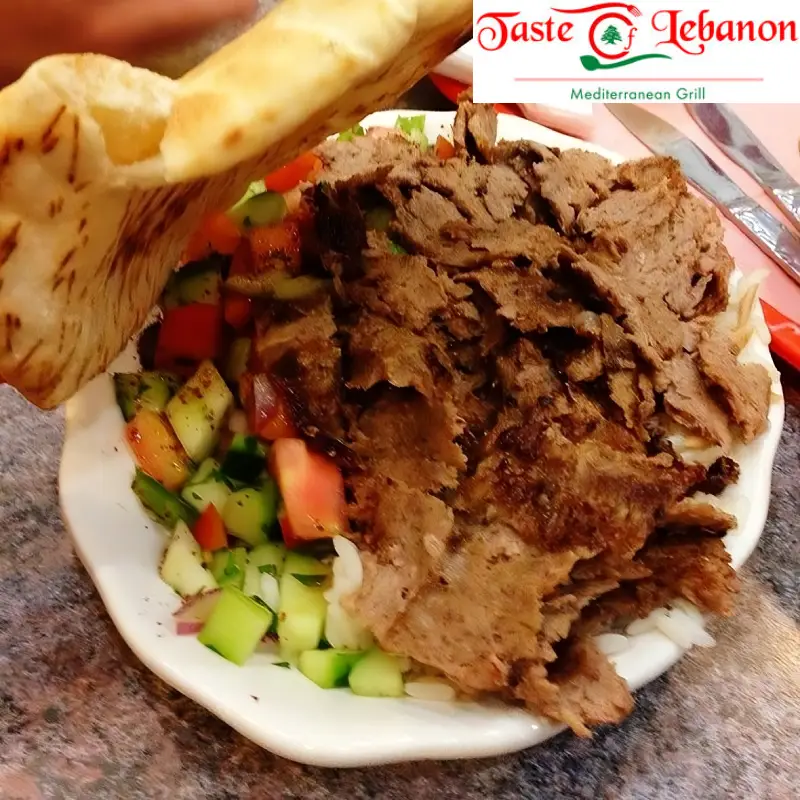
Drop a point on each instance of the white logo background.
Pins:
(550, 72)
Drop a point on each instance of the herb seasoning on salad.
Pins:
(220, 459)
(419, 410)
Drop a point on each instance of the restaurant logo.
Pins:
(731, 41)
(611, 36)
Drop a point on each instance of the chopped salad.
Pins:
(256, 519)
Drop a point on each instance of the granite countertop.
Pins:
(80, 717)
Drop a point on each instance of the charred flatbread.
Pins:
(105, 168)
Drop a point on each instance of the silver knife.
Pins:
(742, 146)
(767, 232)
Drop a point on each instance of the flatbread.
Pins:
(105, 168)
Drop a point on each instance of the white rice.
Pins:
(690, 609)
(431, 689)
(682, 622)
(612, 643)
(739, 320)
(693, 449)
(237, 422)
(341, 630)
(270, 591)
(683, 629)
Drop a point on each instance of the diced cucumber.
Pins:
(268, 555)
(250, 514)
(277, 284)
(304, 565)
(156, 389)
(202, 495)
(171, 296)
(256, 187)
(207, 470)
(377, 674)
(236, 626)
(150, 390)
(299, 630)
(182, 566)
(266, 208)
(300, 287)
(126, 389)
(198, 410)
(164, 505)
(238, 359)
(245, 459)
(199, 283)
(328, 668)
(228, 567)
(303, 607)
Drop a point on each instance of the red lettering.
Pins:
(706, 27)
(564, 30)
(725, 31)
(519, 33)
(494, 33)
(495, 29)
(545, 31)
(767, 31)
(670, 26)
(687, 29)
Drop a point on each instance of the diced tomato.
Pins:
(243, 262)
(289, 539)
(238, 310)
(312, 489)
(217, 233)
(157, 450)
(191, 332)
(303, 217)
(209, 530)
(444, 148)
(303, 168)
(275, 241)
(268, 414)
(279, 425)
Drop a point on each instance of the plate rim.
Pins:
(517, 737)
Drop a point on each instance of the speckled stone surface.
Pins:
(80, 717)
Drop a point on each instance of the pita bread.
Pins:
(105, 168)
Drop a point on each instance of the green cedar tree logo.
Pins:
(611, 35)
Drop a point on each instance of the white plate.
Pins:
(277, 708)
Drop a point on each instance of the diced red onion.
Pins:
(189, 627)
(192, 615)
(265, 400)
